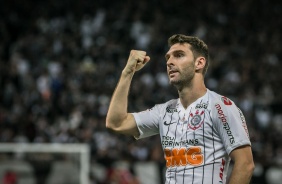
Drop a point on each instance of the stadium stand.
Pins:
(60, 61)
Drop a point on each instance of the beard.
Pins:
(184, 78)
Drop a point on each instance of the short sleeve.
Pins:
(148, 122)
(230, 124)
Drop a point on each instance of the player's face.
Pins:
(180, 64)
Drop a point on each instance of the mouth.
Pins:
(172, 72)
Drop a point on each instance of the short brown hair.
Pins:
(198, 46)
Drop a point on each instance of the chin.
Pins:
(171, 81)
(178, 84)
(174, 82)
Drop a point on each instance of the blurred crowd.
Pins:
(61, 60)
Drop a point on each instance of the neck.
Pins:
(192, 92)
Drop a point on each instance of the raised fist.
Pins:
(136, 60)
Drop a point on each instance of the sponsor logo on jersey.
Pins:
(226, 100)
(170, 109)
(226, 126)
(197, 119)
(170, 123)
(189, 142)
(176, 157)
(201, 106)
(170, 141)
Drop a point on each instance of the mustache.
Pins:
(172, 70)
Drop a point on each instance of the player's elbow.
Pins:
(108, 125)
(115, 128)
(248, 167)
(112, 124)
(251, 167)
(123, 124)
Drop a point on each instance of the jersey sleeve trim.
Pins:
(237, 145)
(137, 120)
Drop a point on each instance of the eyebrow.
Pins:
(173, 52)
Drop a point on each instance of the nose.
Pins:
(169, 62)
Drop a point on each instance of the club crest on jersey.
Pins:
(226, 100)
(197, 119)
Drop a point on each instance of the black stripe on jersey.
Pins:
(186, 139)
(169, 123)
(174, 143)
(164, 115)
(166, 135)
(181, 138)
(194, 167)
(193, 175)
(204, 146)
(212, 145)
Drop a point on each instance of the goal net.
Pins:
(45, 163)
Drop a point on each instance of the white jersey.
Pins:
(197, 140)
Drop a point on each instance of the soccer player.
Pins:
(200, 132)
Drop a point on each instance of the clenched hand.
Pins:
(136, 61)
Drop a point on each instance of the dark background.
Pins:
(61, 60)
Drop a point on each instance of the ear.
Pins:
(200, 63)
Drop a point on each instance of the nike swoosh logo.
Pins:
(167, 124)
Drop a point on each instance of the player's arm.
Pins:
(118, 119)
(231, 125)
(243, 165)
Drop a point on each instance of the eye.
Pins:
(167, 57)
(178, 55)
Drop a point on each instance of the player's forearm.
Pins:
(117, 112)
(241, 173)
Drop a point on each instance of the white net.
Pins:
(45, 163)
